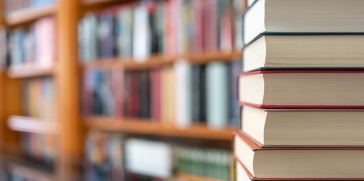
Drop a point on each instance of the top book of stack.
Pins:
(317, 34)
(308, 16)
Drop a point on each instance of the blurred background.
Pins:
(113, 90)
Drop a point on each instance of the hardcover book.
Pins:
(302, 89)
(310, 16)
(299, 163)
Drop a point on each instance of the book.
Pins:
(151, 158)
(304, 51)
(17, 47)
(38, 96)
(234, 106)
(104, 156)
(117, 84)
(141, 35)
(183, 83)
(287, 127)
(169, 97)
(99, 98)
(241, 175)
(125, 31)
(196, 93)
(239, 7)
(44, 34)
(4, 52)
(217, 103)
(285, 16)
(294, 163)
(144, 94)
(106, 34)
(309, 89)
(87, 34)
(156, 95)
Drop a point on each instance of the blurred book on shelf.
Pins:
(39, 98)
(110, 156)
(181, 95)
(40, 148)
(31, 47)
(10, 6)
(176, 27)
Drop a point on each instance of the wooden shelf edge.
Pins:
(27, 71)
(30, 173)
(95, 2)
(155, 61)
(32, 125)
(148, 127)
(188, 177)
(29, 14)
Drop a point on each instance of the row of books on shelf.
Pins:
(301, 92)
(10, 6)
(38, 95)
(34, 46)
(138, 30)
(180, 95)
(40, 148)
(110, 156)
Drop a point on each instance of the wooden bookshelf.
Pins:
(155, 61)
(68, 125)
(187, 177)
(32, 125)
(31, 14)
(30, 173)
(27, 71)
(147, 127)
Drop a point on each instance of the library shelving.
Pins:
(148, 127)
(69, 126)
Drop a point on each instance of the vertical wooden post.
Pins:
(69, 122)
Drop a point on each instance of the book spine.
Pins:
(217, 95)
(183, 93)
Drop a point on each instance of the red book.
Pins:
(197, 25)
(156, 94)
(302, 89)
(297, 163)
(134, 97)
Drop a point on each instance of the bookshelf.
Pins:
(69, 126)
(148, 127)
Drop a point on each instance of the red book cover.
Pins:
(197, 25)
(302, 71)
(134, 97)
(156, 95)
(171, 39)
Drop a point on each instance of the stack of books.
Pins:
(302, 91)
